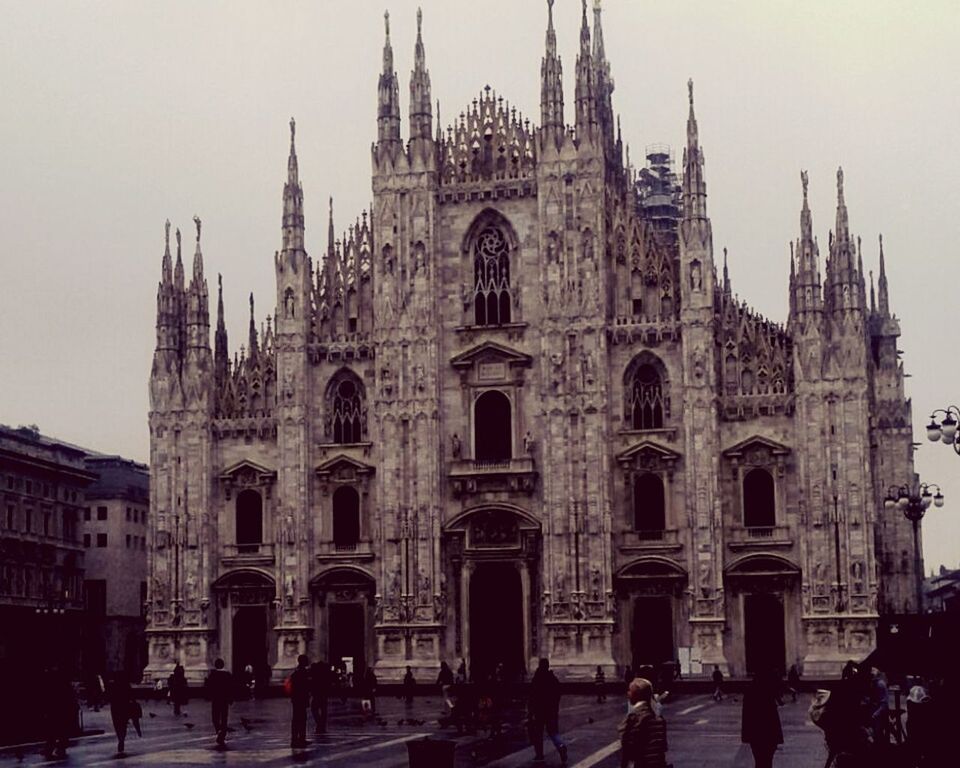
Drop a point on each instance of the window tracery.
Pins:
(491, 269)
(346, 420)
(646, 404)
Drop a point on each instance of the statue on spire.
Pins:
(840, 182)
(293, 129)
(804, 180)
(178, 238)
(166, 233)
(196, 220)
(690, 91)
(386, 23)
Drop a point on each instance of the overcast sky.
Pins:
(118, 115)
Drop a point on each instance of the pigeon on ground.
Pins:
(400, 721)
(246, 724)
(590, 720)
(152, 714)
(188, 726)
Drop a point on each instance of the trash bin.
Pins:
(431, 753)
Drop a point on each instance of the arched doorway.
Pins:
(344, 598)
(249, 632)
(246, 620)
(496, 620)
(650, 590)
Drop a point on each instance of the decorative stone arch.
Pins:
(651, 574)
(747, 456)
(646, 393)
(345, 593)
(342, 577)
(491, 252)
(345, 408)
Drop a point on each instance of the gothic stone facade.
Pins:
(516, 411)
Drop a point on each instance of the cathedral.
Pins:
(516, 411)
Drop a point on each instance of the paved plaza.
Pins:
(701, 732)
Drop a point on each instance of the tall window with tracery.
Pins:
(645, 401)
(347, 412)
(491, 271)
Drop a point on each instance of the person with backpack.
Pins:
(297, 687)
(219, 687)
(760, 724)
(178, 689)
(643, 733)
(544, 712)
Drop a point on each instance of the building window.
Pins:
(143, 543)
(28, 521)
(29, 486)
(491, 272)
(11, 519)
(129, 514)
(86, 540)
(101, 539)
(645, 401)
(346, 517)
(9, 483)
(128, 541)
(101, 513)
(649, 503)
(346, 408)
(249, 521)
(493, 429)
(95, 596)
(759, 506)
(86, 514)
(46, 523)
(136, 515)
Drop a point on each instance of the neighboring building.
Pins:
(114, 534)
(517, 411)
(42, 486)
(942, 591)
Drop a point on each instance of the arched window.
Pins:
(759, 507)
(249, 521)
(649, 507)
(491, 272)
(492, 427)
(346, 409)
(346, 517)
(645, 401)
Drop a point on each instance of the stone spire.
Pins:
(604, 82)
(844, 277)
(807, 296)
(388, 104)
(586, 86)
(551, 86)
(221, 356)
(883, 296)
(421, 120)
(179, 301)
(694, 186)
(197, 255)
(254, 345)
(167, 270)
(726, 273)
(293, 223)
(167, 329)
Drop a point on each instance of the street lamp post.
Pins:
(914, 501)
(946, 428)
(836, 547)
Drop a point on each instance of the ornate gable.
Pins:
(649, 455)
(500, 357)
(248, 472)
(343, 467)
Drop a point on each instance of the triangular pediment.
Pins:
(343, 463)
(247, 469)
(491, 351)
(754, 442)
(648, 449)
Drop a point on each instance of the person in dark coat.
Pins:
(760, 723)
(544, 711)
(59, 711)
(409, 684)
(368, 689)
(177, 683)
(320, 682)
(717, 677)
(643, 733)
(220, 692)
(300, 698)
(120, 696)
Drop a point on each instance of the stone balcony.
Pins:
(333, 552)
(239, 555)
(654, 540)
(516, 475)
(759, 537)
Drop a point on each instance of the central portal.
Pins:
(763, 631)
(347, 636)
(250, 639)
(496, 621)
(652, 631)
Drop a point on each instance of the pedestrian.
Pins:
(368, 689)
(59, 711)
(445, 681)
(409, 683)
(122, 704)
(249, 680)
(760, 720)
(849, 671)
(178, 689)
(219, 687)
(877, 694)
(599, 682)
(717, 683)
(462, 672)
(643, 733)
(544, 712)
(298, 688)
(793, 681)
(920, 732)
(628, 677)
(320, 693)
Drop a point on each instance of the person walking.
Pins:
(368, 689)
(445, 681)
(717, 683)
(59, 711)
(599, 683)
(462, 672)
(643, 733)
(219, 687)
(544, 712)
(409, 684)
(299, 689)
(320, 694)
(120, 696)
(178, 688)
(793, 681)
(760, 720)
